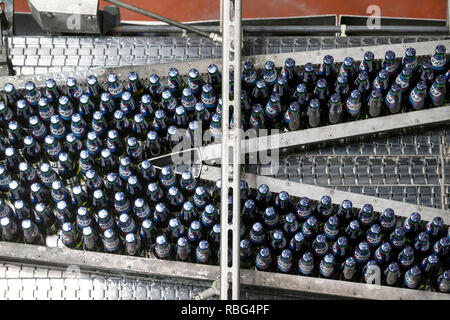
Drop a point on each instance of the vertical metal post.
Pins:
(448, 16)
(221, 17)
(231, 147)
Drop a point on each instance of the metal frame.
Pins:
(295, 285)
(231, 141)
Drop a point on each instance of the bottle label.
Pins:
(404, 84)
(54, 151)
(33, 98)
(5, 180)
(162, 251)
(390, 68)
(272, 112)
(78, 130)
(112, 245)
(66, 239)
(187, 104)
(435, 94)
(261, 264)
(58, 132)
(331, 233)
(257, 238)
(438, 64)
(124, 173)
(410, 281)
(85, 222)
(208, 221)
(209, 101)
(284, 266)
(142, 213)
(106, 224)
(307, 232)
(157, 89)
(412, 64)
(5, 210)
(98, 128)
(326, 270)
(444, 286)
(194, 86)
(381, 257)
(168, 181)
(76, 93)
(173, 85)
(353, 108)
(129, 227)
(58, 196)
(85, 166)
(202, 256)
(270, 78)
(122, 208)
(38, 132)
(320, 251)
(46, 114)
(111, 146)
(116, 91)
(391, 101)
(306, 269)
(47, 179)
(361, 257)
(251, 79)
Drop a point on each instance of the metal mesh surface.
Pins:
(36, 55)
(27, 282)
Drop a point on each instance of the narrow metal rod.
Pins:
(161, 18)
(225, 156)
(290, 30)
(448, 16)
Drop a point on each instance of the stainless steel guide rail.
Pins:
(296, 189)
(334, 132)
(301, 58)
(126, 265)
(231, 143)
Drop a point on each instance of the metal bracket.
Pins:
(210, 292)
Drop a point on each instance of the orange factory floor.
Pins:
(198, 10)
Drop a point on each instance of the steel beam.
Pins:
(231, 141)
(335, 132)
(296, 189)
(126, 265)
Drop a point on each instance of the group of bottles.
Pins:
(158, 116)
(293, 100)
(339, 242)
